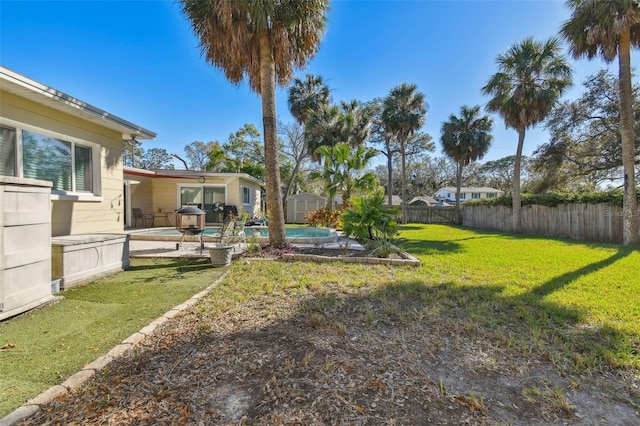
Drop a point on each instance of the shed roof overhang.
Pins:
(37, 92)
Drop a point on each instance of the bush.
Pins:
(369, 218)
(323, 217)
(551, 199)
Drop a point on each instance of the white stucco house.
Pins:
(62, 201)
(448, 193)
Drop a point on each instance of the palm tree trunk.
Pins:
(458, 185)
(517, 199)
(389, 174)
(404, 183)
(630, 205)
(277, 236)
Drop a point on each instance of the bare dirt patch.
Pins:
(360, 356)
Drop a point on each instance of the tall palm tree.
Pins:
(261, 40)
(328, 125)
(531, 78)
(609, 29)
(403, 112)
(306, 96)
(465, 139)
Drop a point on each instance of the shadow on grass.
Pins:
(427, 247)
(318, 346)
(181, 264)
(568, 277)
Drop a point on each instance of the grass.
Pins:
(574, 304)
(43, 347)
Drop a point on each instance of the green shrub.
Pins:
(369, 218)
(551, 199)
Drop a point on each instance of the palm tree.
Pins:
(609, 29)
(465, 139)
(403, 113)
(306, 96)
(531, 78)
(329, 125)
(345, 171)
(261, 40)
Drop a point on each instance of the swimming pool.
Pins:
(295, 234)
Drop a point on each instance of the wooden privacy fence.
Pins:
(430, 214)
(587, 222)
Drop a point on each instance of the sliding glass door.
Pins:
(212, 195)
(204, 197)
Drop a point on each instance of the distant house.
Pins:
(448, 193)
(61, 191)
(160, 192)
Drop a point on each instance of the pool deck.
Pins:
(190, 249)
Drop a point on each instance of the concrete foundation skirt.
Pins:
(220, 254)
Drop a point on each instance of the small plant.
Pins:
(383, 247)
(253, 245)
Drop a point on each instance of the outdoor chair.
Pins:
(237, 234)
(138, 215)
(226, 230)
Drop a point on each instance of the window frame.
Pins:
(247, 190)
(95, 195)
(15, 148)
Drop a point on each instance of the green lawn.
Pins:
(575, 304)
(592, 283)
(43, 347)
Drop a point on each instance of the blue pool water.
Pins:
(262, 232)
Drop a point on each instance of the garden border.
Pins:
(407, 259)
(33, 405)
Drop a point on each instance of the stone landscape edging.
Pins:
(407, 259)
(74, 382)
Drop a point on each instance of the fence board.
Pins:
(587, 222)
(430, 214)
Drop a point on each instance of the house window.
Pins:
(66, 162)
(475, 195)
(491, 195)
(463, 196)
(8, 151)
(68, 165)
(246, 196)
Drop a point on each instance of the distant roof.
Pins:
(423, 199)
(37, 92)
(485, 189)
(395, 200)
(186, 174)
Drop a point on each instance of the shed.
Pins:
(298, 205)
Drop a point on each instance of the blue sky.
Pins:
(140, 61)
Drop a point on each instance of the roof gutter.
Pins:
(126, 127)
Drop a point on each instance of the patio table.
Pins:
(161, 215)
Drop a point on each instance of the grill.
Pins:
(190, 221)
